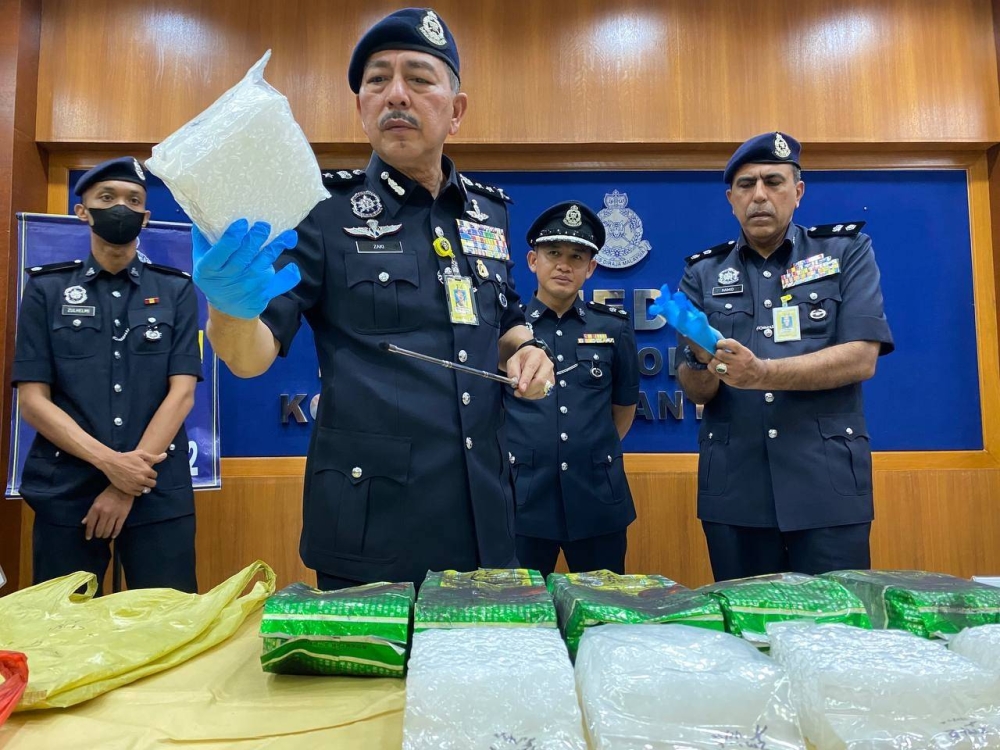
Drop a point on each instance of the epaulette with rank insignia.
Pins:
(333, 178)
(844, 229)
(65, 265)
(493, 190)
(618, 312)
(169, 269)
(712, 251)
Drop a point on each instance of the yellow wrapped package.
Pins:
(79, 647)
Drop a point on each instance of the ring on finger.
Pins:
(721, 368)
(145, 490)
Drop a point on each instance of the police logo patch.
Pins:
(573, 218)
(781, 148)
(75, 295)
(623, 244)
(432, 30)
(366, 205)
(817, 314)
(138, 170)
(729, 276)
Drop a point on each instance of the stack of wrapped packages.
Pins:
(750, 604)
(488, 667)
(357, 631)
(931, 605)
(584, 600)
(676, 686)
(858, 689)
(980, 645)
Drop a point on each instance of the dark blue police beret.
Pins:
(418, 29)
(125, 168)
(768, 148)
(569, 221)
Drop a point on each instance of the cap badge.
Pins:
(781, 149)
(432, 30)
(138, 170)
(573, 217)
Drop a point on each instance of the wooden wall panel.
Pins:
(559, 72)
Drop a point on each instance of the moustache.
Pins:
(397, 115)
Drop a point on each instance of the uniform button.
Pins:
(564, 466)
(772, 433)
(462, 355)
(710, 435)
(118, 421)
(77, 323)
(609, 459)
(466, 398)
(118, 387)
(58, 454)
(562, 383)
(564, 437)
(559, 358)
(769, 397)
(597, 356)
(729, 305)
(563, 410)
(558, 333)
(767, 304)
(150, 320)
(117, 322)
(849, 431)
(356, 472)
(116, 294)
(813, 295)
(468, 443)
(768, 333)
(511, 457)
(118, 355)
(383, 277)
(171, 447)
(767, 274)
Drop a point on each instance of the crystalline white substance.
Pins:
(980, 645)
(243, 157)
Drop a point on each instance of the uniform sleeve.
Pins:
(625, 371)
(861, 316)
(284, 314)
(513, 315)
(185, 353)
(691, 286)
(33, 361)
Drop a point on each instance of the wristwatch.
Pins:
(691, 361)
(540, 344)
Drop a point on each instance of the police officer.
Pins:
(784, 473)
(105, 364)
(570, 486)
(406, 471)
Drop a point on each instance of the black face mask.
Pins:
(118, 225)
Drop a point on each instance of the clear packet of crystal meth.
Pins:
(243, 157)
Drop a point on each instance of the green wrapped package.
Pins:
(600, 597)
(930, 605)
(749, 604)
(504, 597)
(357, 631)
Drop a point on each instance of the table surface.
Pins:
(222, 699)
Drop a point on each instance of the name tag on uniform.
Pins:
(78, 310)
(719, 291)
(786, 324)
(379, 247)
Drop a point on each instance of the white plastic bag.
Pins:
(678, 686)
(491, 688)
(243, 157)
(885, 690)
(979, 645)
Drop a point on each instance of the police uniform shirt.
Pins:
(405, 471)
(106, 345)
(788, 459)
(565, 452)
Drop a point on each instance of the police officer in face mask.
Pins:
(106, 363)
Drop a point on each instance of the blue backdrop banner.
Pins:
(920, 398)
(44, 238)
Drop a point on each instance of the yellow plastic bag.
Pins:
(79, 647)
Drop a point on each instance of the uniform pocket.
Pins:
(151, 331)
(383, 291)
(848, 452)
(522, 461)
(732, 316)
(594, 365)
(713, 469)
(75, 337)
(610, 469)
(818, 312)
(491, 286)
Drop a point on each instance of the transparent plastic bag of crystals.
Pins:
(858, 689)
(660, 687)
(491, 688)
(244, 157)
(979, 645)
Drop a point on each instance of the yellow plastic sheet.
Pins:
(79, 647)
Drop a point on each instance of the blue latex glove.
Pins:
(685, 318)
(236, 274)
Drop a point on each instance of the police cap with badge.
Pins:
(122, 169)
(767, 148)
(416, 29)
(569, 221)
